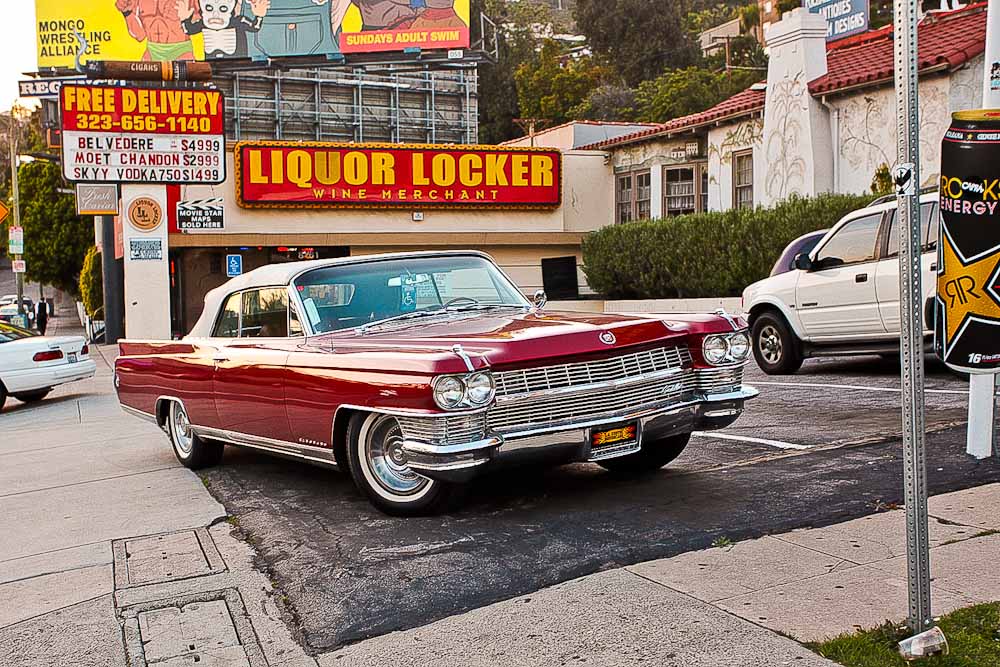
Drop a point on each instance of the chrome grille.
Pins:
(544, 411)
(720, 380)
(451, 430)
(635, 364)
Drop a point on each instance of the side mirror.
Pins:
(803, 263)
(539, 299)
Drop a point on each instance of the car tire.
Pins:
(192, 451)
(654, 455)
(374, 458)
(32, 396)
(775, 348)
(3, 395)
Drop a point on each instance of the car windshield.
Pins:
(352, 295)
(9, 332)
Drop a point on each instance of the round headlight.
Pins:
(449, 392)
(715, 349)
(739, 346)
(480, 388)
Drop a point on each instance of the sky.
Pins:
(17, 46)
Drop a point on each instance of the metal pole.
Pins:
(114, 284)
(911, 339)
(16, 213)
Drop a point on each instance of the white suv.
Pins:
(843, 297)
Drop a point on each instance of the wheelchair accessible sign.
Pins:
(234, 265)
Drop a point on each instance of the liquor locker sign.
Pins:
(142, 135)
(331, 175)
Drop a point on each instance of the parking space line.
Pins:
(857, 387)
(758, 441)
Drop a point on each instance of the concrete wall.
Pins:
(723, 141)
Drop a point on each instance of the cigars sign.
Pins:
(415, 176)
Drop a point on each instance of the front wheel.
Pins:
(654, 455)
(190, 449)
(775, 347)
(377, 464)
(32, 396)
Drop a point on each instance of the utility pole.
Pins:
(13, 141)
(911, 339)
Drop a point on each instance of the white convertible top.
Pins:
(282, 274)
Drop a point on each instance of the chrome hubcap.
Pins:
(181, 427)
(386, 459)
(769, 344)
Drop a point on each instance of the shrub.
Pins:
(705, 254)
(91, 284)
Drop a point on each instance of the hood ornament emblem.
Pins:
(608, 338)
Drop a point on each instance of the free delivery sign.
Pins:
(843, 17)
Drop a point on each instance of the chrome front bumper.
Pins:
(569, 442)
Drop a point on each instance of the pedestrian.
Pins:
(41, 316)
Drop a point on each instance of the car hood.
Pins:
(505, 339)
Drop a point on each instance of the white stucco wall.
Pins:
(723, 141)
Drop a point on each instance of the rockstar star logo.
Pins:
(967, 291)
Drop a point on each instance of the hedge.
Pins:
(704, 254)
(91, 284)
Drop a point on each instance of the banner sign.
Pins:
(96, 199)
(44, 88)
(843, 17)
(15, 241)
(200, 215)
(145, 249)
(274, 174)
(142, 135)
(168, 30)
(19, 266)
(967, 317)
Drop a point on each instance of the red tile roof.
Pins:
(946, 40)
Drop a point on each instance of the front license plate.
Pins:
(71, 357)
(615, 436)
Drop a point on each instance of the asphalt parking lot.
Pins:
(815, 448)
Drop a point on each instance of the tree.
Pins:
(24, 127)
(55, 237)
(638, 38)
(607, 102)
(551, 86)
(517, 24)
(680, 92)
(92, 284)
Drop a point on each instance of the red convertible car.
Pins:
(417, 371)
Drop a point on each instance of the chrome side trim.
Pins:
(415, 447)
(461, 353)
(138, 413)
(320, 455)
(597, 387)
(404, 412)
(440, 467)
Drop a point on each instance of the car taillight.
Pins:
(85, 350)
(51, 355)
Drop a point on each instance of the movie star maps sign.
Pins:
(411, 176)
(142, 135)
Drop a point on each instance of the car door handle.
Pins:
(810, 304)
(861, 278)
(218, 356)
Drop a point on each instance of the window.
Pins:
(930, 218)
(743, 180)
(265, 313)
(228, 325)
(294, 323)
(679, 190)
(704, 187)
(642, 193)
(623, 199)
(853, 243)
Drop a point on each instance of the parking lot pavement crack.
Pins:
(52, 611)
(84, 482)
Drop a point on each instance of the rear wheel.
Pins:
(32, 396)
(3, 395)
(775, 347)
(653, 455)
(190, 449)
(378, 466)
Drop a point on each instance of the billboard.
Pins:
(275, 174)
(164, 30)
(142, 135)
(843, 17)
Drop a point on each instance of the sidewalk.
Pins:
(114, 554)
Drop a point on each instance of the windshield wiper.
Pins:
(404, 316)
(487, 306)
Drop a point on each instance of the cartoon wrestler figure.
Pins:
(222, 24)
(156, 22)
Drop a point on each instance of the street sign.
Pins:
(234, 265)
(15, 241)
(4, 211)
(20, 321)
(18, 266)
(142, 135)
(96, 199)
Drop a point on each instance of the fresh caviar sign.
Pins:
(411, 176)
(142, 135)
